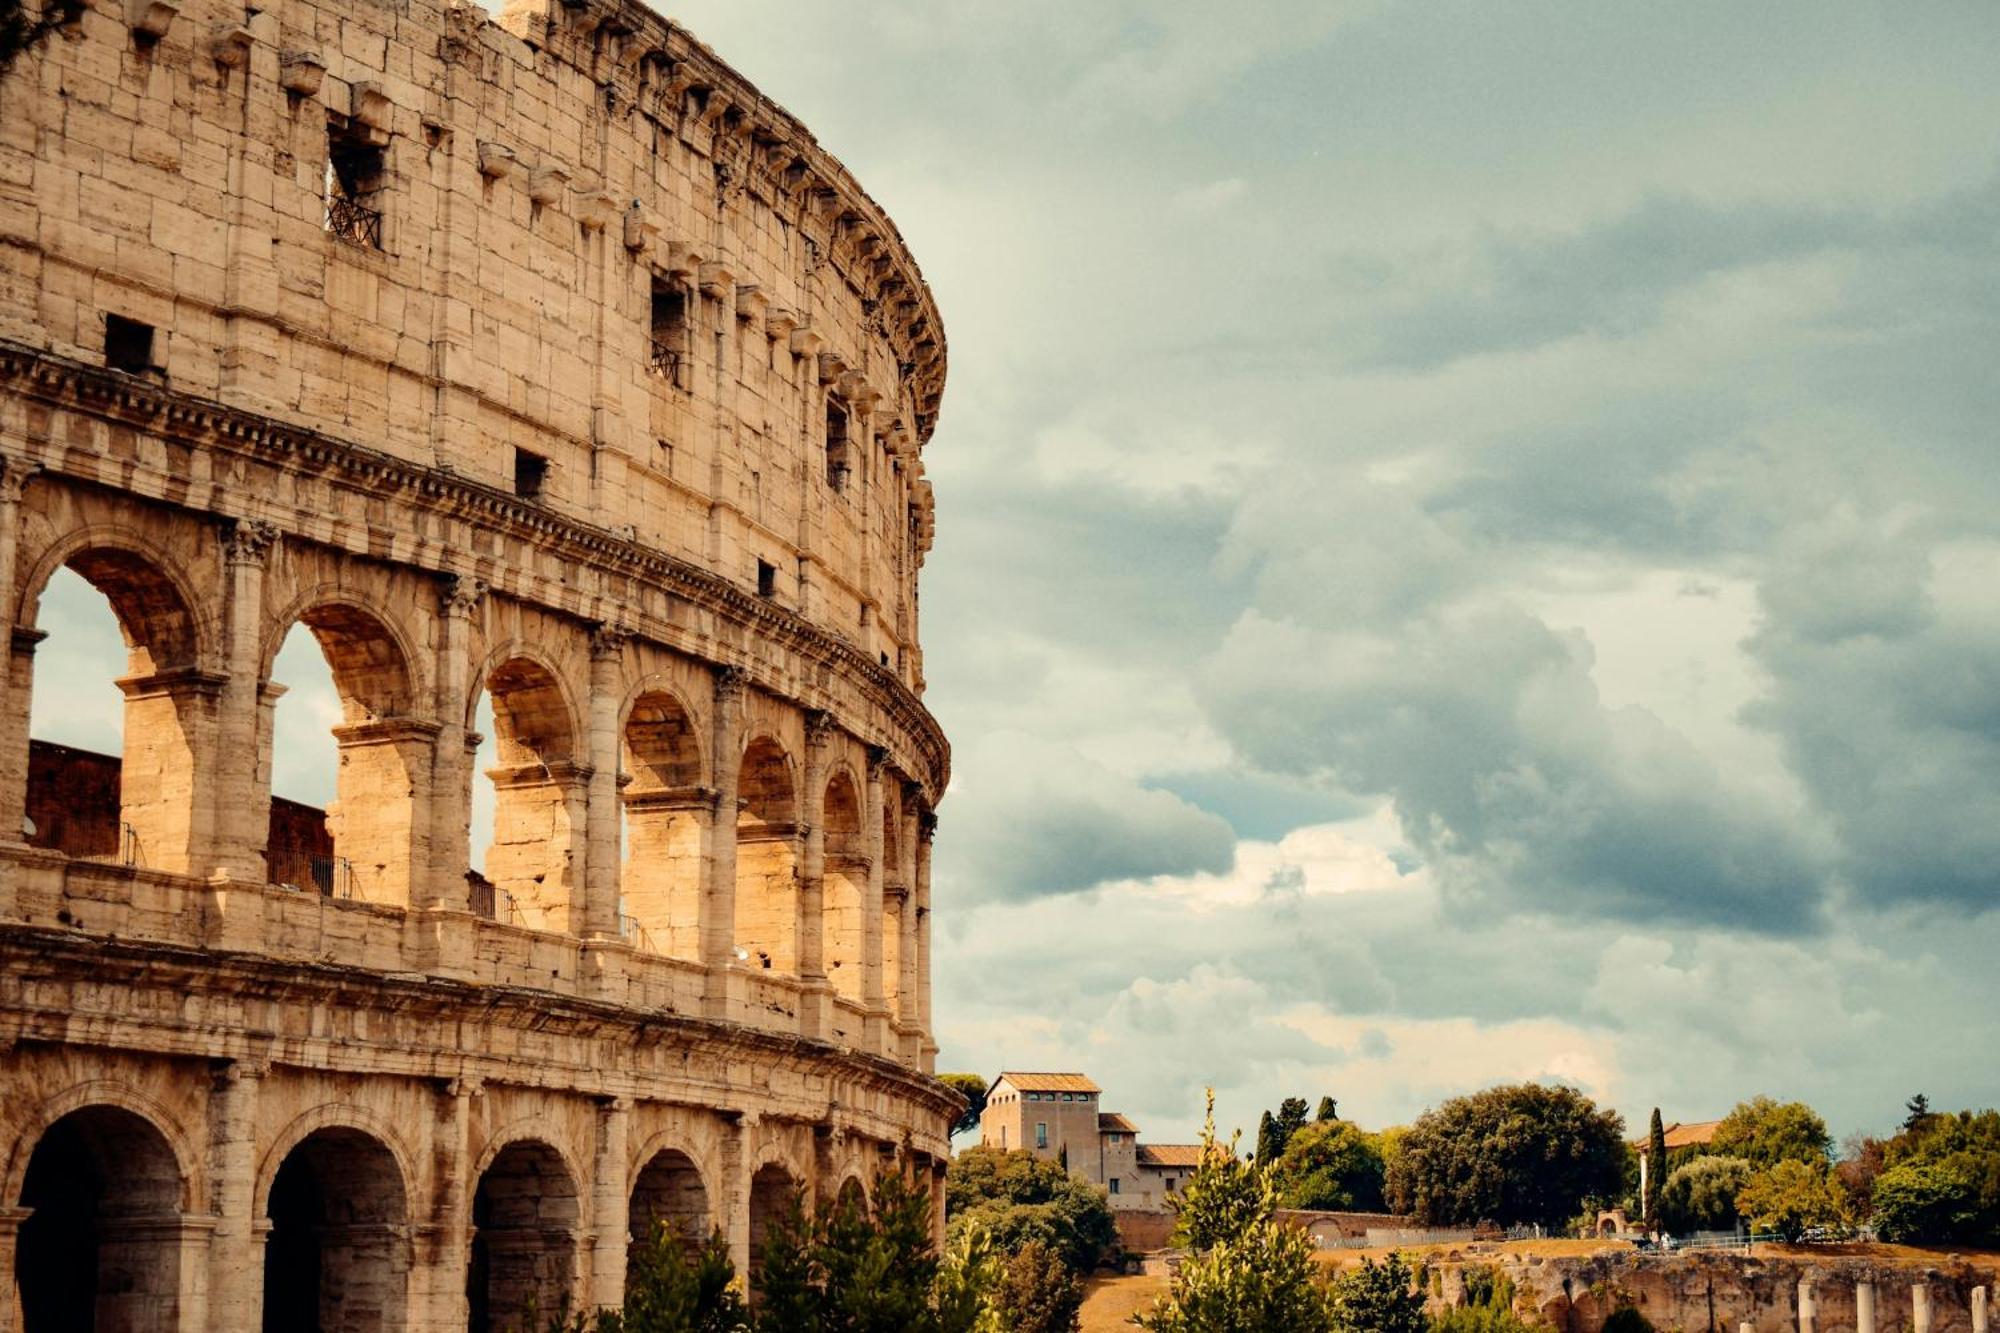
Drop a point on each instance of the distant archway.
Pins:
(767, 887)
(665, 809)
(525, 1215)
(669, 1192)
(774, 1193)
(336, 1259)
(845, 880)
(538, 798)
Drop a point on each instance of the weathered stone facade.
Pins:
(541, 359)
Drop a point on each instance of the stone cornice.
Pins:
(63, 382)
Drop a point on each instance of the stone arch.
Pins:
(107, 1092)
(776, 1188)
(853, 1191)
(106, 1190)
(349, 1116)
(540, 788)
(669, 1188)
(526, 1214)
(337, 1257)
(667, 811)
(845, 877)
(767, 887)
(165, 774)
(373, 833)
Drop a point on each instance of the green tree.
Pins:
(1942, 1179)
(1926, 1203)
(1792, 1197)
(1329, 1109)
(1269, 1142)
(1378, 1298)
(1916, 1113)
(1291, 1119)
(1038, 1292)
(674, 1287)
(1488, 1306)
(1331, 1164)
(1245, 1269)
(1701, 1193)
(1514, 1154)
(20, 29)
(1765, 1132)
(973, 1088)
(1656, 1172)
(1015, 1197)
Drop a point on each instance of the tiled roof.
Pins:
(1170, 1154)
(1111, 1120)
(1049, 1082)
(1679, 1135)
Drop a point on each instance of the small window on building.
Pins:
(1113, 1183)
(357, 174)
(839, 455)
(531, 473)
(128, 345)
(1041, 1133)
(670, 333)
(767, 579)
(1170, 1184)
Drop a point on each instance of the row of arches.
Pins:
(102, 1241)
(697, 820)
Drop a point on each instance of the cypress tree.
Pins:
(1328, 1110)
(1270, 1143)
(1656, 1172)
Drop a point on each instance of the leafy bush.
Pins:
(1038, 1293)
(1765, 1132)
(1920, 1202)
(1700, 1195)
(1016, 1199)
(674, 1287)
(1331, 1164)
(1514, 1154)
(1378, 1298)
(1793, 1198)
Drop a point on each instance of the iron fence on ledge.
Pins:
(354, 222)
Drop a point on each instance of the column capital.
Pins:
(14, 475)
(607, 641)
(460, 594)
(927, 822)
(878, 760)
(469, 1085)
(616, 1105)
(820, 726)
(730, 683)
(248, 541)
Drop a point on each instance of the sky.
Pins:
(1468, 539)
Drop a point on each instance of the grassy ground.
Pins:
(1112, 1301)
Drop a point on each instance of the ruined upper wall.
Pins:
(538, 180)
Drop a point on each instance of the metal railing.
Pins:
(354, 222)
(333, 876)
(665, 361)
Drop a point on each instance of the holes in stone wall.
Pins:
(128, 345)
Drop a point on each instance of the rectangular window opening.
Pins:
(1114, 1184)
(767, 579)
(128, 345)
(839, 454)
(531, 474)
(670, 333)
(1041, 1134)
(357, 176)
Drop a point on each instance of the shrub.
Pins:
(1793, 1198)
(1017, 1198)
(1701, 1193)
(1038, 1293)
(1378, 1298)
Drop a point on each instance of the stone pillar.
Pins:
(909, 1021)
(815, 989)
(445, 1243)
(451, 759)
(14, 708)
(1808, 1308)
(241, 804)
(540, 813)
(732, 1191)
(10, 1293)
(926, 832)
(171, 754)
(600, 892)
(1920, 1307)
(670, 831)
(14, 475)
(1864, 1307)
(382, 821)
(1979, 1315)
(610, 1208)
(874, 1004)
(235, 1251)
(718, 897)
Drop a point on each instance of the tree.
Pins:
(1331, 1164)
(19, 30)
(674, 1287)
(1792, 1198)
(1917, 1111)
(1269, 1145)
(973, 1088)
(1329, 1109)
(1377, 1298)
(1038, 1292)
(1291, 1119)
(1014, 1197)
(1926, 1203)
(1701, 1193)
(1656, 1172)
(1941, 1179)
(1245, 1269)
(1513, 1154)
(1765, 1132)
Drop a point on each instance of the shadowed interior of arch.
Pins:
(534, 860)
(95, 1250)
(665, 811)
(767, 889)
(774, 1194)
(336, 1260)
(669, 1191)
(525, 1215)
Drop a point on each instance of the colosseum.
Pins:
(540, 361)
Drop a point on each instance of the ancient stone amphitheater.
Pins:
(541, 360)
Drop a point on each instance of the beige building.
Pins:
(1056, 1117)
(544, 361)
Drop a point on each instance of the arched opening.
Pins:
(846, 887)
(348, 767)
(767, 887)
(125, 791)
(524, 1223)
(895, 902)
(669, 1192)
(336, 1260)
(773, 1195)
(538, 799)
(852, 1197)
(665, 811)
(101, 1247)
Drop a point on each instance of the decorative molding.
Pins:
(248, 541)
(459, 594)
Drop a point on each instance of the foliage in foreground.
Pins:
(1488, 1307)
(1016, 1198)
(1378, 1298)
(674, 1286)
(1037, 1293)
(1522, 1153)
